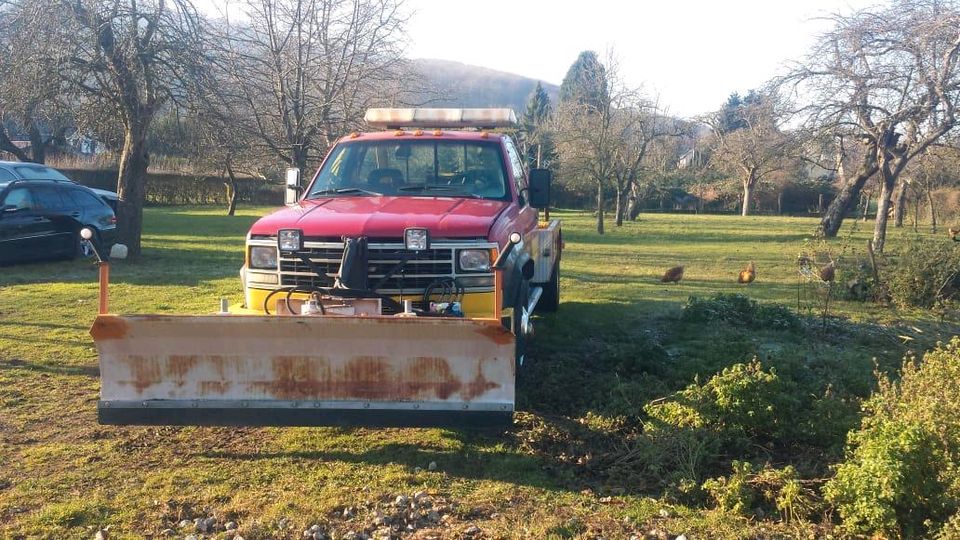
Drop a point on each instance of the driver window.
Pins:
(19, 198)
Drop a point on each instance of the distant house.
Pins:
(691, 158)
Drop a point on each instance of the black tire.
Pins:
(550, 299)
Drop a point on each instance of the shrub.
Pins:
(924, 273)
(730, 414)
(771, 489)
(739, 310)
(900, 476)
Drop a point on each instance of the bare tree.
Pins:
(126, 59)
(31, 93)
(888, 77)
(641, 122)
(307, 70)
(754, 151)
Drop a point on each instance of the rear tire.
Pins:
(550, 299)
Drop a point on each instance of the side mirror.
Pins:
(292, 194)
(540, 188)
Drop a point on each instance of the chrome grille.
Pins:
(419, 272)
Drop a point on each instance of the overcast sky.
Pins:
(693, 53)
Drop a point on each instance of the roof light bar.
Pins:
(441, 118)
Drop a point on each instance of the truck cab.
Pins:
(437, 178)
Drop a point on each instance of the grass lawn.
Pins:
(618, 343)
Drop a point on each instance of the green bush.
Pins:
(900, 476)
(769, 489)
(739, 310)
(741, 401)
(731, 414)
(925, 272)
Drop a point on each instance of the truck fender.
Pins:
(519, 269)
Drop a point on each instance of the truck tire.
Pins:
(550, 299)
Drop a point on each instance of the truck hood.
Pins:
(384, 217)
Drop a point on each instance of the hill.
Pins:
(464, 85)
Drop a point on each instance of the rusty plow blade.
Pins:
(239, 370)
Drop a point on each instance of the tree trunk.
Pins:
(900, 204)
(131, 186)
(231, 190)
(599, 208)
(933, 212)
(883, 213)
(747, 191)
(621, 207)
(867, 197)
(846, 198)
(38, 150)
(780, 203)
(6, 145)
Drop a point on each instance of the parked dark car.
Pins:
(42, 218)
(19, 170)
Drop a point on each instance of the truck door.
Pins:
(527, 215)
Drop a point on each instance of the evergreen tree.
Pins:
(586, 82)
(538, 147)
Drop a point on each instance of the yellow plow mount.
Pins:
(245, 370)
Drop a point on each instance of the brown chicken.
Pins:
(954, 233)
(748, 274)
(828, 273)
(673, 275)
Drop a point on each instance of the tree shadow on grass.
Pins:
(53, 369)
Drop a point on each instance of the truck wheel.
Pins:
(550, 299)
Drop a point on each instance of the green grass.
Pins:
(617, 343)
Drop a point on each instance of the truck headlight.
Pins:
(263, 257)
(475, 260)
(290, 239)
(416, 239)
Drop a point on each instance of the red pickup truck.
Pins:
(395, 289)
(468, 190)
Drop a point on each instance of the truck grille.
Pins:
(418, 273)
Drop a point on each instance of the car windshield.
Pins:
(413, 167)
(38, 172)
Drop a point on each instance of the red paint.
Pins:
(388, 216)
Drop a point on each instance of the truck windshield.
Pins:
(413, 167)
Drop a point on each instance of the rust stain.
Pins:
(496, 333)
(108, 327)
(214, 387)
(145, 371)
(179, 364)
(430, 373)
(478, 386)
(294, 377)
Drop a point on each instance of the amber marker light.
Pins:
(354, 135)
(418, 133)
(398, 133)
(437, 133)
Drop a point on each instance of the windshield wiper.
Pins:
(345, 191)
(440, 188)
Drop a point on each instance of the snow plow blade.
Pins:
(252, 370)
